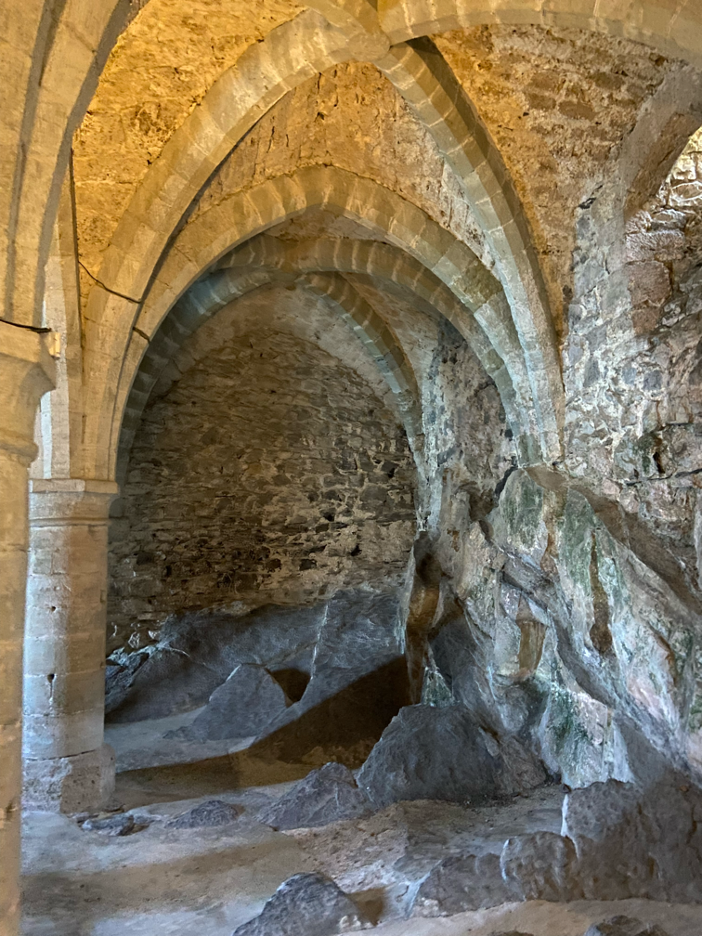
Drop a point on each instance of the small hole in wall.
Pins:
(51, 677)
(52, 608)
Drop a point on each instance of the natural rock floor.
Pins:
(164, 881)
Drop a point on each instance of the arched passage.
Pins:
(550, 615)
(202, 244)
(360, 317)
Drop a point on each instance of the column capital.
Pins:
(62, 501)
(27, 372)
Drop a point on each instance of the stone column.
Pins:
(26, 373)
(67, 767)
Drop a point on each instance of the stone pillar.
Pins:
(26, 373)
(67, 767)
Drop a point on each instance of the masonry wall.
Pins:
(269, 472)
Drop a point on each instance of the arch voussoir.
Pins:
(424, 78)
(202, 244)
(672, 28)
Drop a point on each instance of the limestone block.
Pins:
(63, 735)
(63, 653)
(57, 694)
(81, 783)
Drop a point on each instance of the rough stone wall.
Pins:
(468, 445)
(557, 102)
(572, 615)
(632, 366)
(269, 472)
(350, 117)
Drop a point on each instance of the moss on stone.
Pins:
(522, 509)
(575, 549)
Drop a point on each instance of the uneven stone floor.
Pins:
(205, 882)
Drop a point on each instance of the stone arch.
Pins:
(201, 304)
(623, 283)
(265, 259)
(289, 55)
(673, 28)
(202, 243)
(392, 266)
(51, 60)
(382, 344)
(44, 46)
(136, 248)
(426, 81)
(662, 131)
(58, 428)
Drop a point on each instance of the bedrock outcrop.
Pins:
(329, 794)
(559, 620)
(429, 752)
(617, 842)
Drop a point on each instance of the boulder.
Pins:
(206, 815)
(241, 707)
(624, 926)
(440, 753)
(458, 884)
(325, 795)
(306, 905)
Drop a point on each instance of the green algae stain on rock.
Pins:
(575, 540)
(519, 520)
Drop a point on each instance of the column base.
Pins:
(83, 783)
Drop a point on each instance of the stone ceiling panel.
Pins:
(159, 71)
(350, 117)
(558, 103)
